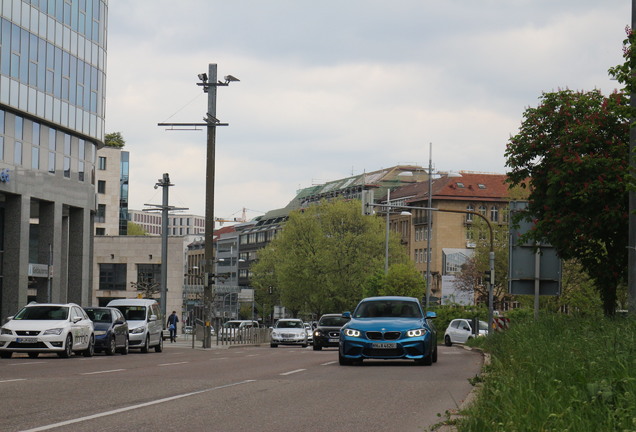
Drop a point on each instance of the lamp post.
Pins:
(429, 222)
(209, 83)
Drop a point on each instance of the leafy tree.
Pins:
(471, 277)
(114, 139)
(135, 229)
(403, 279)
(572, 152)
(322, 259)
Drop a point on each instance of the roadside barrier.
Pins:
(500, 323)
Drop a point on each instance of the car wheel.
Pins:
(317, 347)
(273, 345)
(343, 360)
(112, 347)
(68, 347)
(435, 354)
(159, 348)
(146, 347)
(124, 350)
(33, 355)
(447, 340)
(6, 354)
(426, 360)
(88, 352)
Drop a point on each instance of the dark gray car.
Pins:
(327, 334)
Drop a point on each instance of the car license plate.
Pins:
(334, 340)
(384, 345)
(26, 340)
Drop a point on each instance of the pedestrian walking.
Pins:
(173, 319)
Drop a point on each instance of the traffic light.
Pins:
(487, 277)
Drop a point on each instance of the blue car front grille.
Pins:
(390, 335)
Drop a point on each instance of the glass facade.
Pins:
(53, 61)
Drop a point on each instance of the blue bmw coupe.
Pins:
(388, 328)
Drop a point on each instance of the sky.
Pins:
(336, 88)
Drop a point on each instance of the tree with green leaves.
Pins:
(323, 259)
(134, 229)
(114, 139)
(572, 153)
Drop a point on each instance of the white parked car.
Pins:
(237, 330)
(310, 333)
(461, 329)
(48, 328)
(289, 331)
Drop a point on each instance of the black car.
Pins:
(111, 330)
(327, 334)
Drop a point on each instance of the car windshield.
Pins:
(333, 321)
(483, 325)
(388, 309)
(99, 315)
(231, 324)
(289, 324)
(54, 313)
(133, 313)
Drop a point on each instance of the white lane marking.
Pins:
(13, 380)
(102, 372)
(293, 372)
(29, 363)
(328, 363)
(252, 355)
(133, 407)
(172, 364)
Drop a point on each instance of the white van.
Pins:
(145, 322)
(236, 329)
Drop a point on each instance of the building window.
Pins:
(148, 277)
(100, 231)
(494, 214)
(35, 158)
(469, 216)
(101, 163)
(101, 186)
(482, 210)
(112, 277)
(67, 167)
(101, 213)
(52, 162)
(17, 153)
(1, 148)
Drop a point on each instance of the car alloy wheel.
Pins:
(146, 347)
(110, 350)
(124, 350)
(159, 348)
(68, 347)
(88, 352)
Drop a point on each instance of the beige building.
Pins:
(120, 261)
(453, 235)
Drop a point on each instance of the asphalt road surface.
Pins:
(239, 389)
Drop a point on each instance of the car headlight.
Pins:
(317, 333)
(5, 331)
(100, 332)
(416, 332)
(352, 332)
(137, 330)
(54, 331)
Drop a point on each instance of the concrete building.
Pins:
(124, 263)
(453, 235)
(52, 93)
(178, 224)
(111, 175)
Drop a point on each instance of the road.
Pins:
(238, 389)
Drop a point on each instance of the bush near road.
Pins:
(560, 373)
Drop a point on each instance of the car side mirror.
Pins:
(152, 318)
(77, 319)
(346, 315)
(430, 315)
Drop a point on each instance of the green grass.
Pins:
(560, 373)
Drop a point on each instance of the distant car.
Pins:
(289, 331)
(48, 328)
(187, 329)
(388, 328)
(327, 334)
(236, 330)
(461, 329)
(111, 330)
(310, 333)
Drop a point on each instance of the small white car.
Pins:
(461, 329)
(48, 327)
(289, 331)
(310, 333)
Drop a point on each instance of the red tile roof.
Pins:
(470, 186)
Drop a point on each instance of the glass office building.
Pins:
(52, 92)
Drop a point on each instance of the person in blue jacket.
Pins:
(173, 319)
